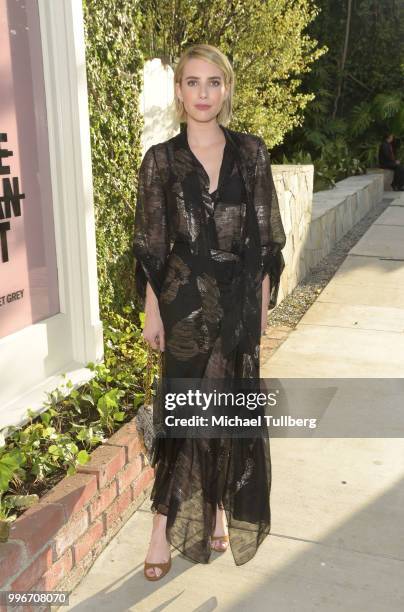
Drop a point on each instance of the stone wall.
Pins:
(314, 223)
(294, 187)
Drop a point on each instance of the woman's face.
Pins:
(202, 89)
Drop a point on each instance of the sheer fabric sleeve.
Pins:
(151, 243)
(272, 233)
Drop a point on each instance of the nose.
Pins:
(202, 92)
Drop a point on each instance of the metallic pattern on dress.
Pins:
(205, 255)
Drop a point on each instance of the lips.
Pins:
(202, 106)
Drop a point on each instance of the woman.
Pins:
(388, 160)
(208, 240)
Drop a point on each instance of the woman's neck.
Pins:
(204, 134)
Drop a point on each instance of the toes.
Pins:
(154, 572)
(219, 546)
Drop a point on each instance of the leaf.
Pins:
(21, 501)
(83, 457)
(54, 450)
(88, 398)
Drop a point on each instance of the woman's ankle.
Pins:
(159, 523)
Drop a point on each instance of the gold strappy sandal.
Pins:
(223, 539)
(165, 567)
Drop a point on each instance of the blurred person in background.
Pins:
(387, 160)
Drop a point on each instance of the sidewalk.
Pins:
(337, 531)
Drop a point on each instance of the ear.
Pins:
(178, 91)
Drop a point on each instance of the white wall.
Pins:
(156, 103)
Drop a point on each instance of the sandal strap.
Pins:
(222, 537)
(162, 565)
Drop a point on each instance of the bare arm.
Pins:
(153, 331)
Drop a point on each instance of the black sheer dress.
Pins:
(205, 255)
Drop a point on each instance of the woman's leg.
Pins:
(220, 529)
(159, 548)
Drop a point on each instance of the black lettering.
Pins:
(4, 227)
(3, 154)
(10, 198)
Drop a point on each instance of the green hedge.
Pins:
(114, 74)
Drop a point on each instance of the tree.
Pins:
(266, 43)
(359, 97)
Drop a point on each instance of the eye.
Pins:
(190, 82)
(215, 83)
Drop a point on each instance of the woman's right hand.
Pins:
(153, 330)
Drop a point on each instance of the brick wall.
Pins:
(54, 543)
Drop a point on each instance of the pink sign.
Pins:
(28, 271)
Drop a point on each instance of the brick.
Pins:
(88, 540)
(142, 482)
(73, 493)
(37, 526)
(119, 506)
(105, 463)
(56, 573)
(105, 498)
(128, 437)
(76, 526)
(31, 574)
(11, 560)
(129, 474)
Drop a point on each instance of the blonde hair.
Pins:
(215, 56)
